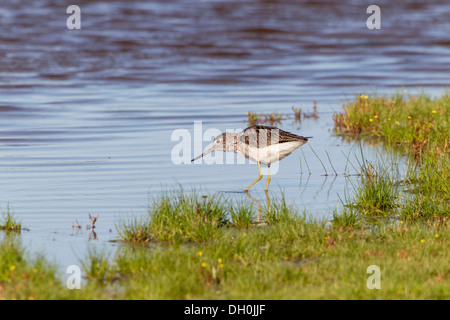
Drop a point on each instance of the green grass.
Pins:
(9, 222)
(177, 216)
(347, 218)
(378, 191)
(242, 214)
(22, 277)
(96, 265)
(293, 258)
(279, 211)
(416, 125)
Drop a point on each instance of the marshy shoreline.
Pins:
(193, 245)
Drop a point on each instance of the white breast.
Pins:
(269, 154)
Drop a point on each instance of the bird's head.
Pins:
(223, 142)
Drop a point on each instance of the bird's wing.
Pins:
(262, 136)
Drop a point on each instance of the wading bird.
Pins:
(261, 144)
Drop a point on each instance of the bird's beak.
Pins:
(203, 154)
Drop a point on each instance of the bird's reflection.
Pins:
(93, 235)
(258, 203)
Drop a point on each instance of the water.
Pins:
(86, 116)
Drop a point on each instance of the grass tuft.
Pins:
(9, 222)
(241, 214)
(378, 191)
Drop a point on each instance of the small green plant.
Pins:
(241, 214)
(279, 211)
(378, 190)
(9, 222)
(252, 118)
(264, 118)
(297, 113)
(96, 265)
(134, 229)
(347, 218)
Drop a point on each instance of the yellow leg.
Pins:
(257, 179)
(268, 202)
(268, 179)
(256, 202)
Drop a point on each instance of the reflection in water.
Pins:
(331, 187)
(320, 189)
(258, 203)
(305, 185)
(93, 235)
